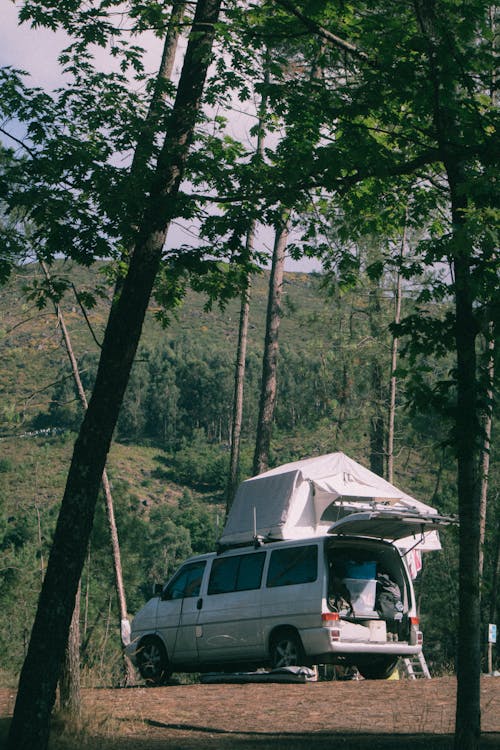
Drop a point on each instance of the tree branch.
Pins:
(316, 28)
(84, 312)
(17, 140)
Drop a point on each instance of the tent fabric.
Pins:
(302, 498)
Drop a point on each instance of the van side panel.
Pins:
(176, 623)
(230, 626)
(293, 590)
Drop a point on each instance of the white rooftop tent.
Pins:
(304, 498)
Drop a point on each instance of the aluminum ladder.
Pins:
(415, 667)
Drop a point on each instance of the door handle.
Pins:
(199, 603)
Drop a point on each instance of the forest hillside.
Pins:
(169, 462)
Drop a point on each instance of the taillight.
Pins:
(330, 616)
(420, 638)
(415, 620)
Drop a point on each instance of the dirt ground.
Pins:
(351, 715)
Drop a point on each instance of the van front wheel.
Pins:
(152, 661)
(286, 650)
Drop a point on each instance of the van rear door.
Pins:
(392, 526)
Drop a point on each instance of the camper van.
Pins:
(341, 595)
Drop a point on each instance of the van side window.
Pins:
(187, 582)
(236, 573)
(293, 565)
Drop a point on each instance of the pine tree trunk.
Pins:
(69, 682)
(37, 686)
(394, 362)
(271, 349)
(239, 378)
(378, 415)
(468, 711)
(443, 89)
(485, 457)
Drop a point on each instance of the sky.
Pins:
(35, 51)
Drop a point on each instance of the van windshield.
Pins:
(187, 582)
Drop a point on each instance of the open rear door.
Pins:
(392, 526)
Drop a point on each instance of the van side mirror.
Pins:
(157, 589)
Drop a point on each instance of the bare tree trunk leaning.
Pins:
(128, 669)
(37, 685)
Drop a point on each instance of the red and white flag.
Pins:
(414, 559)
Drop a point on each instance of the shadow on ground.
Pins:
(207, 738)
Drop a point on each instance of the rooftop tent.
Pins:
(303, 498)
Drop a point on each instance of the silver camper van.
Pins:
(342, 594)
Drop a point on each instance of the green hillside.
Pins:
(168, 464)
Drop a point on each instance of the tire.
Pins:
(152, 661)
(286, 650)
(378, 668)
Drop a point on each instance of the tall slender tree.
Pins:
(36, 693)
(239, 379)
(271, 348)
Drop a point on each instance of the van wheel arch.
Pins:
(285, 647)
(152, 660)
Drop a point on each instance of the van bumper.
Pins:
(131, 650)
(319, 641)
(397, 649)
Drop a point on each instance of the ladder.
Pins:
(415, 667)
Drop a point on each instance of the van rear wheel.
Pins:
(152, 661)
(286, 650)
(378, 668)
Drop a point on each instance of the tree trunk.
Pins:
(36, 694)
(69, 683)
(378, 390)
(485, 457)
(146, 137)
(468, 710)
(394, 362)
(271, 348)
(239, 378)
(128, 669)
(444, 90)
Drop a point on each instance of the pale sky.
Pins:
(36, 50)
